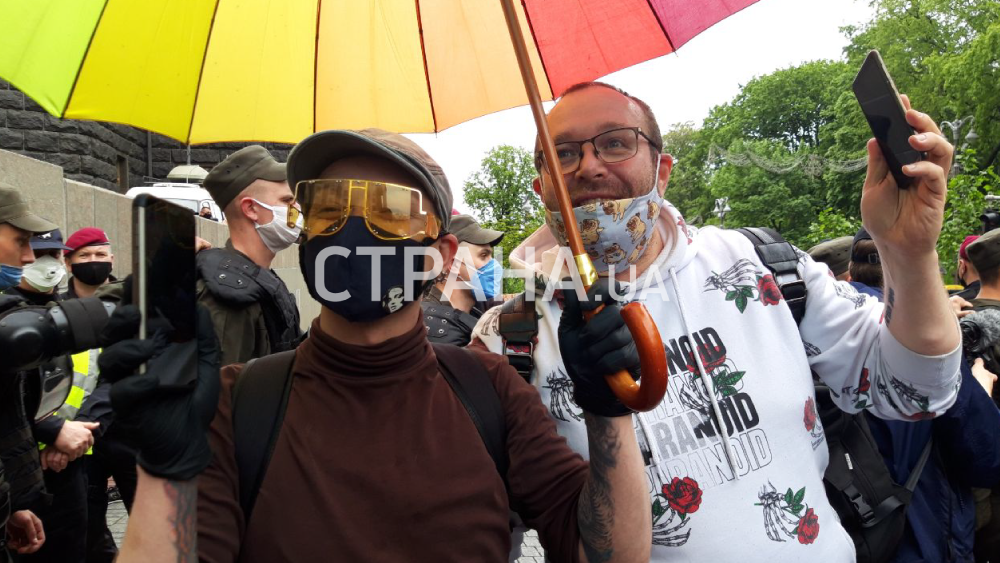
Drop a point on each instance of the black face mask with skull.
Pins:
(347, 284)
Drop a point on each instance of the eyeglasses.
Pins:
(611, 146)
(391, 211)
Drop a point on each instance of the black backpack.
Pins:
(260, 398)
(871, 506)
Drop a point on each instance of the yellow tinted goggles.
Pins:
(391, 211)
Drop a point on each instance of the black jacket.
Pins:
(446, 324)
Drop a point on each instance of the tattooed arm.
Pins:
(906, 224)
(163, 523)
(614, 517)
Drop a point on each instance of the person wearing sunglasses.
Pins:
(253, 312)
(376, 458)
(745, 326)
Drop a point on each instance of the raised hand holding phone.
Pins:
(907, 223)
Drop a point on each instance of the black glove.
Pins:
(171, 426)
(594, 349)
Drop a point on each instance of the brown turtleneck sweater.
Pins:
(378, 461)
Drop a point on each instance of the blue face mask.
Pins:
(491, 278)
(10, 276)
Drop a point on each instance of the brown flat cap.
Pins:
(834, 253)
(14, 210)
(466, 229)
(239, 170)
(985, 251)
(317, 151)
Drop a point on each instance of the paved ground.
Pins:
(117, 520)
(531, 550)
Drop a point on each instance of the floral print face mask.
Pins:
(615, 232)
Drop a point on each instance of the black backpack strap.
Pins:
(472, 384)
(518, 326)
(779, 256)
(911, 481)
(889, 505)
(260, 398)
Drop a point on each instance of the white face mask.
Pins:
(614, 232)
(276, 234)
(45, 273)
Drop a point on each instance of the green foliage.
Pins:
(829, 225)
(945, 54)
(688, 188)
(500, 193)
(961, 214)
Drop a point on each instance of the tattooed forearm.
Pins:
(183, 519)
(596, 511)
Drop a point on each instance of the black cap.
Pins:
(48, 241)
(317, 151)
(870, 258)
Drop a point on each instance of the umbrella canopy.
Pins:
(204, 71)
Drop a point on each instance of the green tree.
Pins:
(778, 120)
(688, 185)
(829, 225)
(945, 55)
(501, 196)
(961, 214)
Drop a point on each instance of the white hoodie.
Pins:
(763, 499)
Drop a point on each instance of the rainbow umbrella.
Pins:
(203, 71)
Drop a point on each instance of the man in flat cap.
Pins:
(459, 299)
(253, 312)
(20, 490)
(836, 254)
(375, 456)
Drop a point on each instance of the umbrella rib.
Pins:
(660, 23)
(86, 52)
(427, 74)
(201, 72)
(319, 12)
(534, 39)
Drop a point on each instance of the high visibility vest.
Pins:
(85, 373)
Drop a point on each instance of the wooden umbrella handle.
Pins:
(652, 359)
(652, 355)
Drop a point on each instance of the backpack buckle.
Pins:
(861, 508)
(793, 291)
(520, 356)
(518, 349)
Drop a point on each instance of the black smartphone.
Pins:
(879, 99)
(164, 286)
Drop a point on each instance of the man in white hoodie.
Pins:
(757, 493)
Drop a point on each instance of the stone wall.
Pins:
(74, 205)
(99, 153)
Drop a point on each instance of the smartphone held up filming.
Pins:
(164, 287)
(886, 116)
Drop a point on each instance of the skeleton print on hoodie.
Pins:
(735, 453)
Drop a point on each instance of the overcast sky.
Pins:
(682, 86)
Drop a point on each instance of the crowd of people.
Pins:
(426, 416)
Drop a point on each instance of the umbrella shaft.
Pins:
(548, 147)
